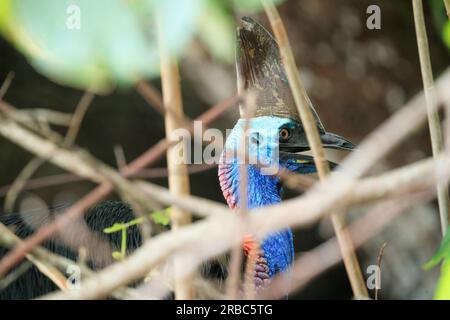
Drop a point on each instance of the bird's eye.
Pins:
(284, 134)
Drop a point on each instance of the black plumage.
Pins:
(33, 283)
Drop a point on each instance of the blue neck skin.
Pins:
(263, 190)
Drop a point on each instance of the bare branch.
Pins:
(77, 117)
(45, 116)
(20, 181)
(63, 178)
(151, 96)
(379, 258)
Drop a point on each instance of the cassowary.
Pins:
(276, 135)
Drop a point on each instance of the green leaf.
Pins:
(6, 22)
(162, 217)
(123, 244)
(443, 252)
(115, 228)
(443, 286)
(446, 34)
(117, 255)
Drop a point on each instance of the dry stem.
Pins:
(431, 102)
(178, 176)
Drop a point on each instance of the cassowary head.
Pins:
(274, 136)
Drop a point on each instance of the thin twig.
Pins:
(77, 117)
(431, 102)
(120, 157)
(64, 178)
(379, 258)
(305, 110)
(36, 118)
(14, 275)
(6, 84)
(151, 96)
(46, 116)
(20, 181)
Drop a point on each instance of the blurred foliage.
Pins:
(443, 254)
(441, 20)
(116, 42)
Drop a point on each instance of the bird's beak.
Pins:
(298, 142)
(333, 141)
(307, 162)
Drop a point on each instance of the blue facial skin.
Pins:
(264, 189)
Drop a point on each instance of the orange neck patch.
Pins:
(249, 244)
